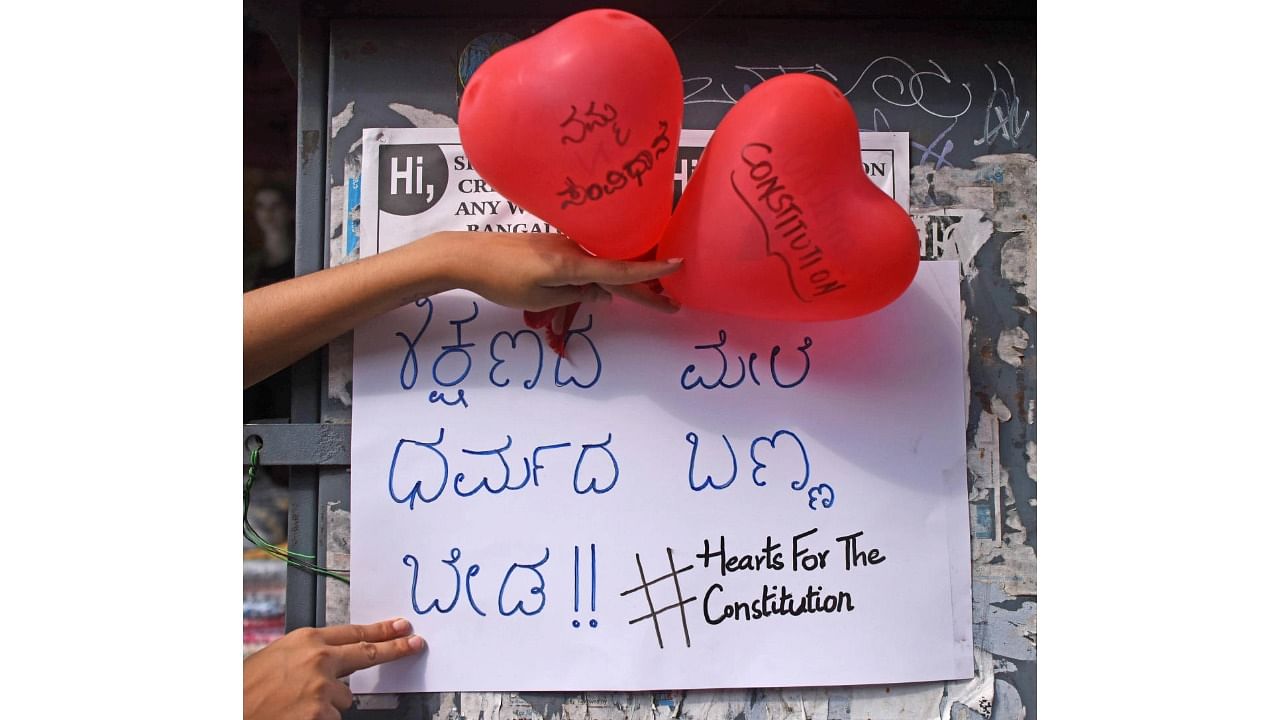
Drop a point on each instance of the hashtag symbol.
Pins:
(681, 600)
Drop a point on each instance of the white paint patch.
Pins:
(1001, 411)
(1008, 703)
(342, 119)
(340, 371)
(1031, 460)
(481, 705)
(1011, 345)
(1018, 267)
(337, 216)
(337, 552)
(979, 196)
(714, 705)
(423, 118)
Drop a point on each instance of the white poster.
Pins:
(686, 501)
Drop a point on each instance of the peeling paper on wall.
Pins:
(1004, 187)
(1000, 554)
(953, 234)
(336, 531)
(1011, 345)
(344, 209)
(422, 117)
(341, 120)
(877, 702)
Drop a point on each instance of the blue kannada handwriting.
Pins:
(595, 355)
(592, 485)
(773, 443)
(484, 479)
(692, 439)
(416, 492)
(746, 367)
(435, 396)
(779, 441)
(577, 585)
(513, 339)
(539, 589)
(456, 347)
(419, 470)
(822, 493)
(532, 468)
(410, 354)
(514, 355)
(452, 563)
(536, 586)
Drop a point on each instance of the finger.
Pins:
(557, 297)
(377, 632)
(644, 295)
(359, 656)
(596, 293)
(339, 694)
(616, 272)
(321, 711)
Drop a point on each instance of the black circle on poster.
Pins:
(411, 178)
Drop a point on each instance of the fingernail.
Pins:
(674, 261)
(416, 643)
(401, 625)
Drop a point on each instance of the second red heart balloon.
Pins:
(579, 125)
(780, 221)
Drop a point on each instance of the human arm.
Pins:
(298, 676)
(285, 321)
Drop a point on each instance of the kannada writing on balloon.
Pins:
(633, 170)
(580, 124)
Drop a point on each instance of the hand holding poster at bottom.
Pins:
(686, 501)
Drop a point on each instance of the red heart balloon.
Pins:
(780, 221)
(579, 124)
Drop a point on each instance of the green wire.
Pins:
(289, 557)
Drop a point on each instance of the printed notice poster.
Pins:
(685, 501)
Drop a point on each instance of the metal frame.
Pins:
(301, 444)
(301, 587)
